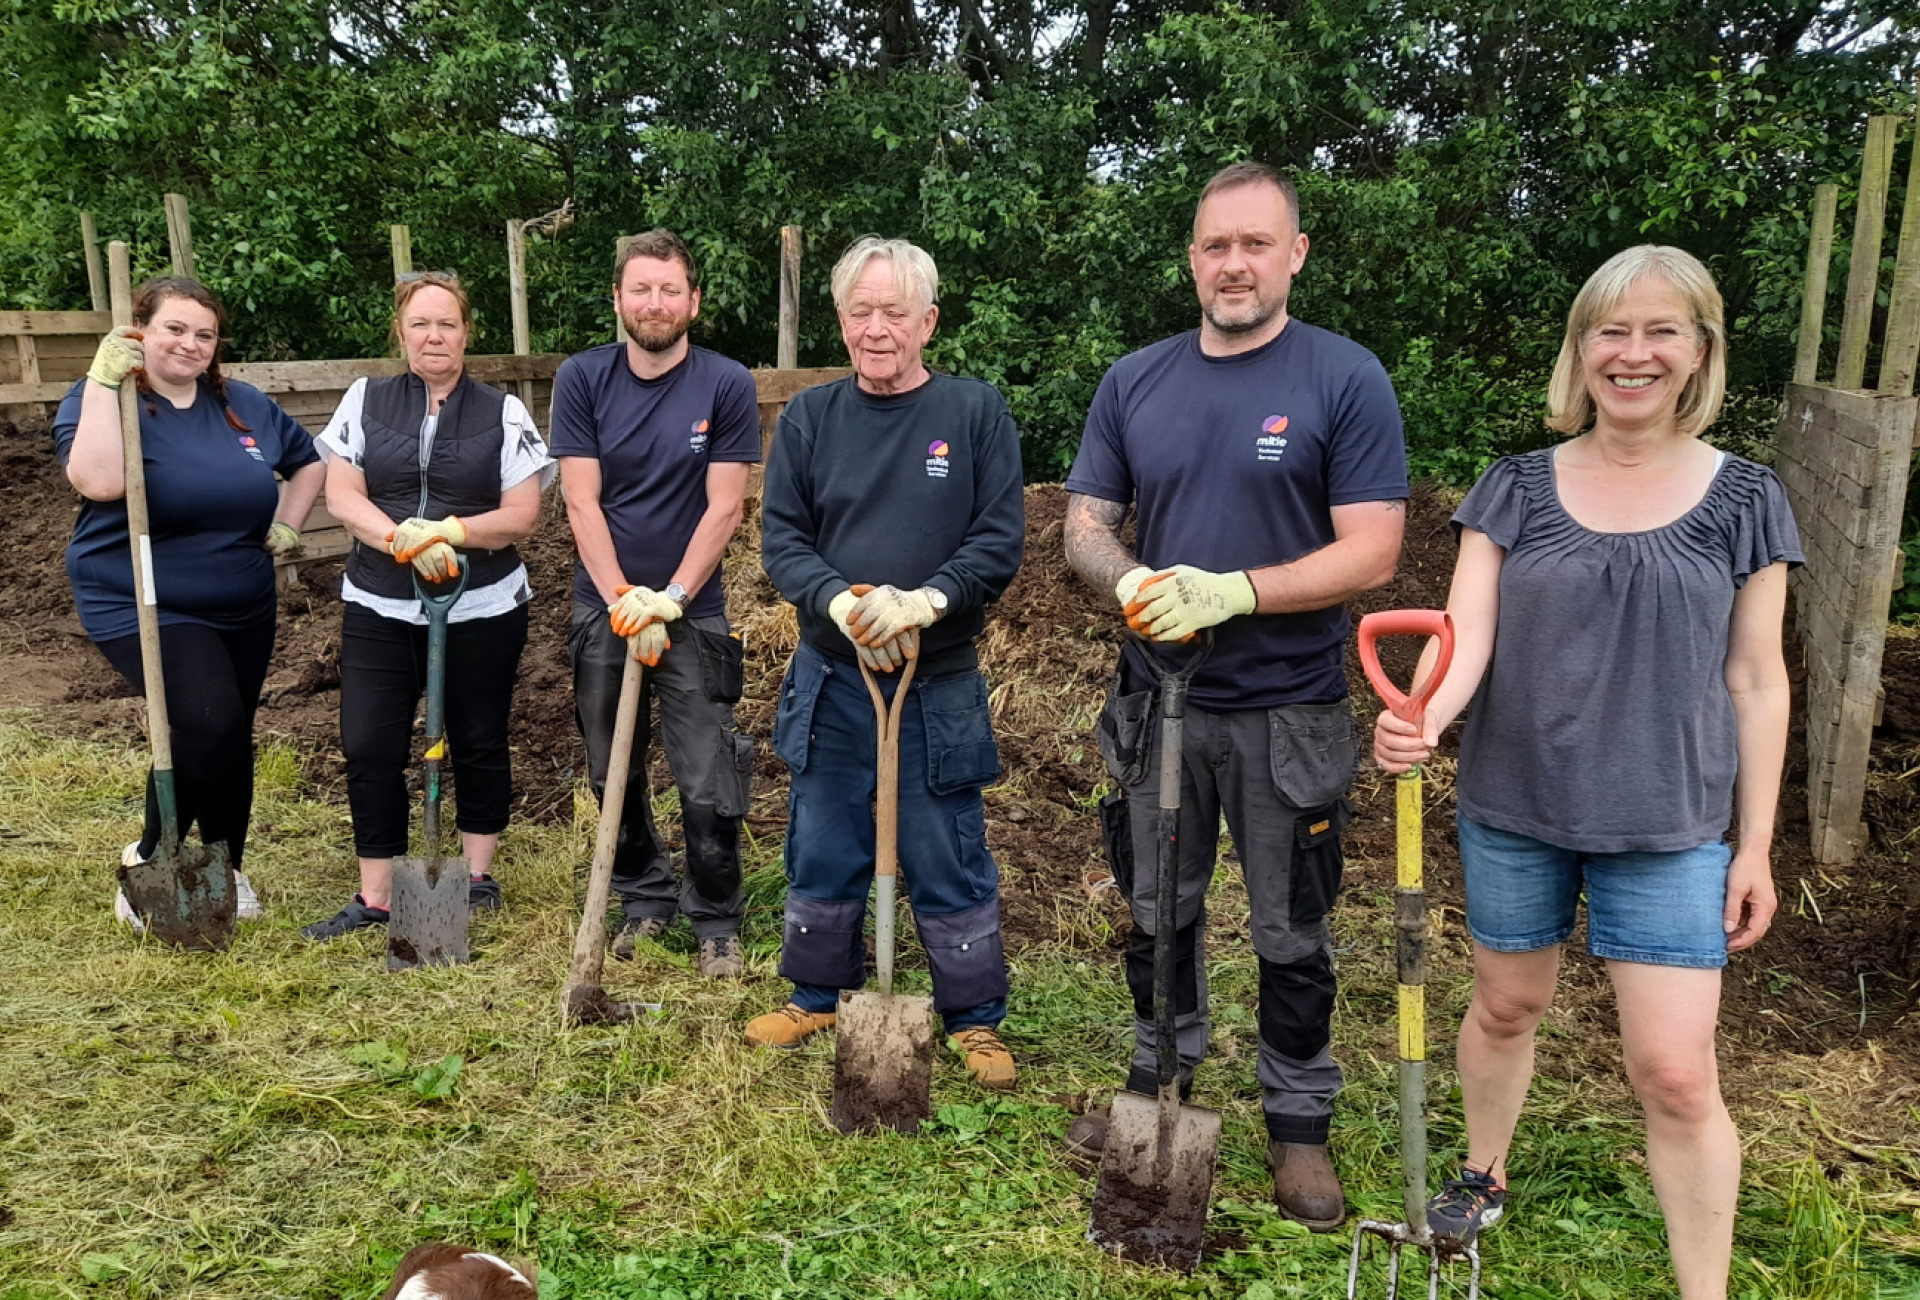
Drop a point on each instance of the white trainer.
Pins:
(248, 908)
(129, 857)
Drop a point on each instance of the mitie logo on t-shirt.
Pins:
(253, 448)
(1270, 445)
(937, 458)
(698, 442)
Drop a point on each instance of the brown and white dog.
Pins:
(442, 1271)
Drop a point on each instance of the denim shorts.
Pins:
(1659, 909)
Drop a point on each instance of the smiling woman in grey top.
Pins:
(1622, 596)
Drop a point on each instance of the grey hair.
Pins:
(914, 273)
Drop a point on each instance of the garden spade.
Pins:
(1156, 1172)
(583, 1001)
(184, 894)
(428, 923)
(883, 1059)
(1410, 954)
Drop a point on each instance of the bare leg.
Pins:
(479, 850)
(1511, 993)
(1668, 1015)
(376, 882)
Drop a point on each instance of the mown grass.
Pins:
(286, 1119)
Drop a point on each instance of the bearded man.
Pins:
(655, 439)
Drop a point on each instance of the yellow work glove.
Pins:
(436, 562)
(415, 535)
(119, 352)
(650, 642)
(282, 539)
(639, 606)
(884, 613)
(1177, 603)
(880, 658)
(1129, 584)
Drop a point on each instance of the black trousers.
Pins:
(383, 675)
(213, 678)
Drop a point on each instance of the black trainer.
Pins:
(483, 894)
(354, 916)
(1464, 1208)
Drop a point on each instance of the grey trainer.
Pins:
(721, 958)
(633, 930)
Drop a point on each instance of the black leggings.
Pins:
(383, 673)
(213, 680)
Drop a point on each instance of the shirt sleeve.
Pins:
(343, 436)
(1100, 466)
(989, 556)
(1367, 449)
(295, 443)
(736, 420)
(789, 526)
(571, 421)
(1496, 506)
(66, 422)
(523, 453)
(1765, 532)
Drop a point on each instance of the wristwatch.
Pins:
(677, 594)
(938, 599)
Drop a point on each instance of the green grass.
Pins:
(286, 1119)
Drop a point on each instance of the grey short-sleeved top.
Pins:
(1604, 723)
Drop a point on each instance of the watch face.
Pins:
(937, 598)
(676, 593)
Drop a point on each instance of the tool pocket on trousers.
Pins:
(733, 775)
(799, 694)
(723, 658)
(1122, 732)
(961, 754)
(1311, 748)
(1116, 833)
(1317, 862)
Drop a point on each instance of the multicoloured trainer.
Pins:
(1465, 1207)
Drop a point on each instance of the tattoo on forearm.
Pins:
(1093, 541)
(1395, 507)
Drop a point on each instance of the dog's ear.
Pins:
(444, 1272)
(421, 1259)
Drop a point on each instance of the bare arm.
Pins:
(1362, 556)
(726, 497)
(347, 501)
(514, 518)
(580, 488)
(1093, 541)
(517, 515)
(1756, 677)
(96, 462)
(1474, 605)
(296, 498)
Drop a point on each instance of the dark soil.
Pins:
(1048, 649)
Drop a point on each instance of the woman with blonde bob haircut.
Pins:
(1622, 594)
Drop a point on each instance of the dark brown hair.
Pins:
(1237, 174)
(661, 245)
(148, 300)
(413, 282)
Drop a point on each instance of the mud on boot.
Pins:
(1305, 1187)
(987, 1057)
(1087, 1135)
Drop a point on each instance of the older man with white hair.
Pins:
(906, 481)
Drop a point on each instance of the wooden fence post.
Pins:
(787, 352)
(1813, 301)
(1863, 263)
(179, 234)
(402, 250)
(517, 287)
(1902, 346)
(619, 329)
(96, 274)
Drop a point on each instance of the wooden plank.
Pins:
(1813, 299)
(1863, 262)
(64, 346)
(30, 368)
(308, 376)
(402, 250)
(787, 352)
(96, 273)
(777, 387)
(95, 323)
(1902, 345)
(517, 288)
(179, 234)
(26, 394)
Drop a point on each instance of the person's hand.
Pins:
(119, 352)
(1399, 746)
(414, 535)
(1751, 901)
(883, 658)
(883, 613)
(1129, 585)
(639, 606)
(1179, 602)
(650, 642)
(282, 539)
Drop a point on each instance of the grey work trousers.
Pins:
(712, 764)
(1281, 777)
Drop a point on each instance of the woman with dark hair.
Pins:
(212, 448)
(432, 472)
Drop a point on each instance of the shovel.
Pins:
(583, 1001)
(183, 894)
(1156, 1171)
(883, 1057)
(1410, 954)
(428, 923)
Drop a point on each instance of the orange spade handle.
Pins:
(1406, 622)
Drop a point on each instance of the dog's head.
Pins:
(442, 1271)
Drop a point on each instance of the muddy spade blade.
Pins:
(883, 1062)
(1155, 1182)
(186, 896)
(428, 924)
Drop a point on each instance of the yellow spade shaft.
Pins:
(1410, 955)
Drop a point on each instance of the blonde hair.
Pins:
(914, 273)
(1570, 405)
(413, 282)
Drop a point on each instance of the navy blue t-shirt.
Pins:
(654, 439)
(1234, 463)
(211, 495)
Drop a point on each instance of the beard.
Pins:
(1245, 319)
(656, 335)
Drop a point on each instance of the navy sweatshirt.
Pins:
(919, 489)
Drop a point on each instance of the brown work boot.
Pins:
(1305, 1186)
(988, 1060)
(721, 959)
(1087, 1135)
(788, 1027)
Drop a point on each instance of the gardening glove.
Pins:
(639, 606)
(1177, 603)
(119, 352)
(884, 613)
(1129, 584)
(879, 659)
(436, 562)
(650, 642)
(415, 535)
(282, 539)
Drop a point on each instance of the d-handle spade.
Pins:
(1410, 925)
(428, 923)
